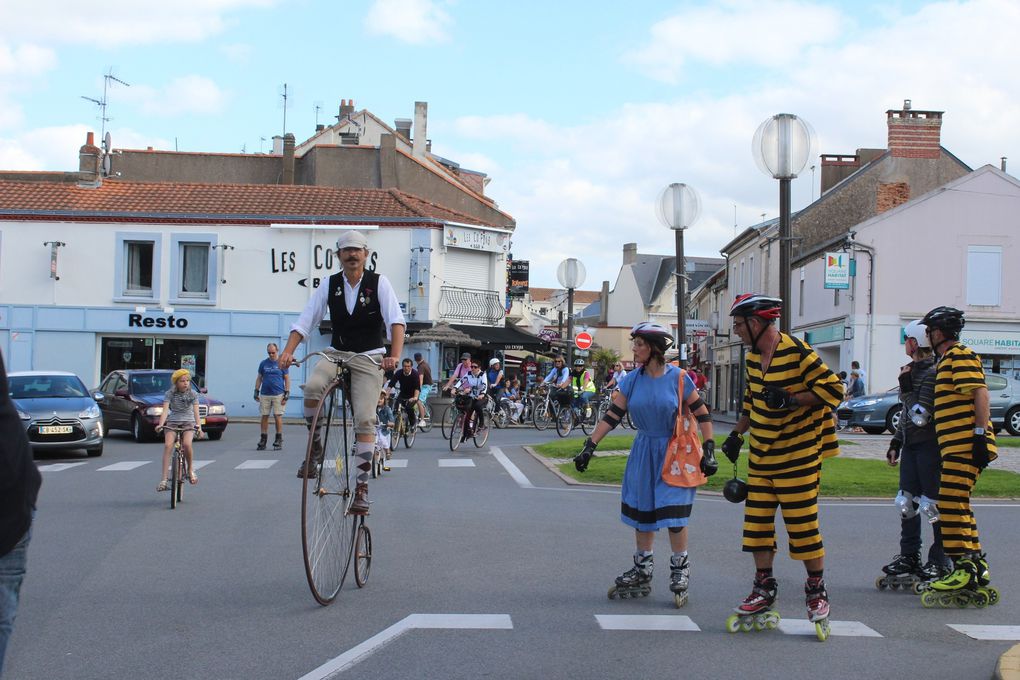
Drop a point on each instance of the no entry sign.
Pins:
(583, 340)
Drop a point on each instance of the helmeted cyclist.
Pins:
(475, 386)
(558, 379)
(582, 385)
(496, 378)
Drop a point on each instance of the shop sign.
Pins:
(837, 270)
(475, 239)
(991, 342)
(138, 321)
(519, 273)
(696, 328)
(549, 334)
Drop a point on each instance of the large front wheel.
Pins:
(327, 529)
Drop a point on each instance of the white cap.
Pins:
(352, 239)
(917, 331)
(493, 361)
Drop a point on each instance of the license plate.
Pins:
(55, 429)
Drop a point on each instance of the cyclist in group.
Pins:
(384, 421)
(582, 385)
(425, 383)
(463, 369)
(513, 396)
(409, 383)
(558, 379)
(616, 376)
(180, 409)
(365, 313)
(497, 381)
(476, 386)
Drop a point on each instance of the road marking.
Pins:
(124, 465)
(57, 467)
(411, 622)
(645, 622)
(456, 462)
(199, 464)
(842, 628)
(980, 632)
(512, 469)
(256, 464)
(396, 462)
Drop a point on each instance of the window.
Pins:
(193, 264)
(137, 267)
(750, 270)
(995, 382)
(984, 275)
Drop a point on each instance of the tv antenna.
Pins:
(102, 103)
(284, 96)
(318, 107)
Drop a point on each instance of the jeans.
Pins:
(12, 572)
(920, 468)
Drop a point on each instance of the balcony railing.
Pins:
(469, 304)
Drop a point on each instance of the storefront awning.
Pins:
(502, 337)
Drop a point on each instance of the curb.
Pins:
(1008, 667)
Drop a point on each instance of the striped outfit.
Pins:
(787, 448)
(959, 373)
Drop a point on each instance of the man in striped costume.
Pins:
(787, 409)
(966, 442)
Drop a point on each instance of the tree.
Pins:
(601, 359)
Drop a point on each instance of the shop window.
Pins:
(984, 275)
(136, 266)
(193, 267)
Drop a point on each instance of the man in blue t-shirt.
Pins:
(272, 388)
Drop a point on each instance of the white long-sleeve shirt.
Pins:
(318, 305)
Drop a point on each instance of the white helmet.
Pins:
(917, 331)
(493, 361)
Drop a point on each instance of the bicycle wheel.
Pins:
(362, 554)
(540, 416)
(627, 422)
(481, 436)
(181, 476)
(327, 529)
(564, 421)
(457, 430)
(589, 422)
(376, 463)
(449, 419)
(396, 431)
(409, 432)
(426, 423)
(175, 474)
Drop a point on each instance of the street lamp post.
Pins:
(782, 146)
(570, 274)
(678, 207)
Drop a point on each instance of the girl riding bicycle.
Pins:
(180, 409)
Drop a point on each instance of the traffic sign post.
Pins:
(583, 340)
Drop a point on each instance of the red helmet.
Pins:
(753, 304)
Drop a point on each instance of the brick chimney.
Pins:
(89, 159)
(287, 176)
(836, 168)
(629, 253)
(914, 134)
(604, 304)
(346, 109)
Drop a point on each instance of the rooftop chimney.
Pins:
(604, 304)
(288, 159)
(89, 158)
(421, 118)
(629, 253)
(914, 134)
(346, 109)
(277, 145)
(403, 127)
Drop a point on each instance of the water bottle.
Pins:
(929, 509)
(905, 504)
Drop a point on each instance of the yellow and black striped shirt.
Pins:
(958, 374)
(782, 441)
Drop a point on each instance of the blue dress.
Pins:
(648, 503)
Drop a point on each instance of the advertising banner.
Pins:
(837, 270)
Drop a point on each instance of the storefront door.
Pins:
(152, 352)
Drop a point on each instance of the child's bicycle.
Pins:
(179, 469)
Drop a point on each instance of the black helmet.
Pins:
(949, 320)
(735, 490)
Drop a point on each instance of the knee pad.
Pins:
(906, 504)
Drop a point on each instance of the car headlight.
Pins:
(866, 402)
(91, 412)
(23, 415)
(154, 411)
(217, 410)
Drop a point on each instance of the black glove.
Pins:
(709, 465)
(980, 453)
(776, 398)
(893, 454)
(256, 394)
(731, 447)
(581, 459)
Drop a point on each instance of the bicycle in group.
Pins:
(179, 468)
(585, 416)
(425, 416)
(402, 428)
(464, 424)
(331, 537)
(546, 407)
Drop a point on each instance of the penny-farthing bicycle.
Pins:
(330, 535)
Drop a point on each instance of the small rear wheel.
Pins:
(362, 555)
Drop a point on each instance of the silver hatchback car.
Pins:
(57, 411)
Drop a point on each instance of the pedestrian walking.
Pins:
(272, 389)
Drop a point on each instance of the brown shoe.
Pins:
(359, 506)
(309, 471)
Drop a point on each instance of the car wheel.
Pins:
(96, 452)
(136, 429)
(214, 435)
(871, 429)
(892, 419)
(1013, 421)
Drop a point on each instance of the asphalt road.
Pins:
(493, 568)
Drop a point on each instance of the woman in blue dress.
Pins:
(651, 395)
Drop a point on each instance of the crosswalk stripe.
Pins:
(257, 464)
(397, 462)
(842, 628)
(124, 465)
(645, 622)
(57, 467)
(199, 464)
(456, 462)
(987, 632)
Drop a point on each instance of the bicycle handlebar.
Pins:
(334, 359)
(177, 429)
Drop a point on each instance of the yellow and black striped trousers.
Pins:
(959, 530)
(796, 493)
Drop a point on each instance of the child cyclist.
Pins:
(180, 408)
(384, 421)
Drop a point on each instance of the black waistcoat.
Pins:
(363, 329)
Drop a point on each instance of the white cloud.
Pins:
(56, 148)
(418, 22)
(190, 94)
(118, 22)
(771, 33)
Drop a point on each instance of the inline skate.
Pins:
(817, 606)
(755, 612)
(967, 585)
(932, 571)
(636, 580)
(679, 578)
(904, 572)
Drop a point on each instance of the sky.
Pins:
(581, 112)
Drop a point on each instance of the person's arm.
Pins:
(286, 385)
(164, 414)
(982, 408)
(258, 383)
(310, 317)
(393, 318)
(198, 418)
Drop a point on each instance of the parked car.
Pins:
(57, 411)
(877, 413)
(133, 401)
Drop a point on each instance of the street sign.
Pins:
(583, 340)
